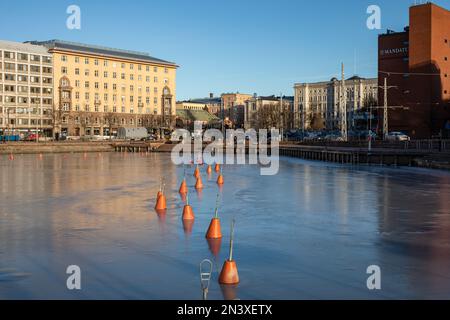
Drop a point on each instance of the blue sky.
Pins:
(251, 46)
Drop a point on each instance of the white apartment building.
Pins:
(26, 89)
(317, 104)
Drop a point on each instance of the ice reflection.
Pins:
(308, 233)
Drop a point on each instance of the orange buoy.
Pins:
(161, 202)
(188, 213)
(220, 180)
(217, 168)
(196, 172)
(199, 183)
(183, 187)
(209, 169)
(159, 195)
(229, 274)
(214, 230)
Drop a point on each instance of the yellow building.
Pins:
(98, 89)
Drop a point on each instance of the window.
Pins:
(155, 79)
(86, 96)
(105, 86)
(105, 74)
(166, 70)
(77, 71)
(114, 75)
(22, 56)
(64, 58)
(139, 67)
(131, 66)
(86, 60)
(105, 97)
(131, 88)
(77, 95)
(122, 76)
(9, 55)
(96, 85)
(96, 62)
(46, 59)
(131, 77)
(77, 83)
(64, 70)
(96, 73)
(114, 86)
(77, 59)
(147, 68)
(86, 72)
(105, 63)
(155, 69)
(123, 65)
(86, 84)
(147, 78)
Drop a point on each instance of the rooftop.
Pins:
(101, 51)
(196, 115)
(23, 47)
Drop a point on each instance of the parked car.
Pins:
(397, 136)
(31, 137)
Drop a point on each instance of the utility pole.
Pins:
(343, 106)
(282, 115)
(385, 112)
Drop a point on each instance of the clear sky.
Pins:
(250, 46)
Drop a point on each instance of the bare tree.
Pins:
(110, 120)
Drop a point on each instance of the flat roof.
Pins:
(101, 51)
(23, 47)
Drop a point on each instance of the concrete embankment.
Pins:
(54, 147)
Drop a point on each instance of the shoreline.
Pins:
(14, 148)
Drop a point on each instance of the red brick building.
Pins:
(417, 62)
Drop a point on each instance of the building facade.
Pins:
(416, 63)
(212, 104)
(99, 89)
(187, 105)
(233, 105)
(317, 105)
(280, 109)
(26, 89)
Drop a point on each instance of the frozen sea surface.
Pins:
(309, 232)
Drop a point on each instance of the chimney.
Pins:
(211, 95)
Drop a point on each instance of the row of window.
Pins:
(66, 95)
(98, 121)
(26, 100)
(105, 109)
(114, 86)
(105, 63)
(25, 89)
(64, 71)
(24, 78)
(22, 121)
(10, 55)
(9, 66)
